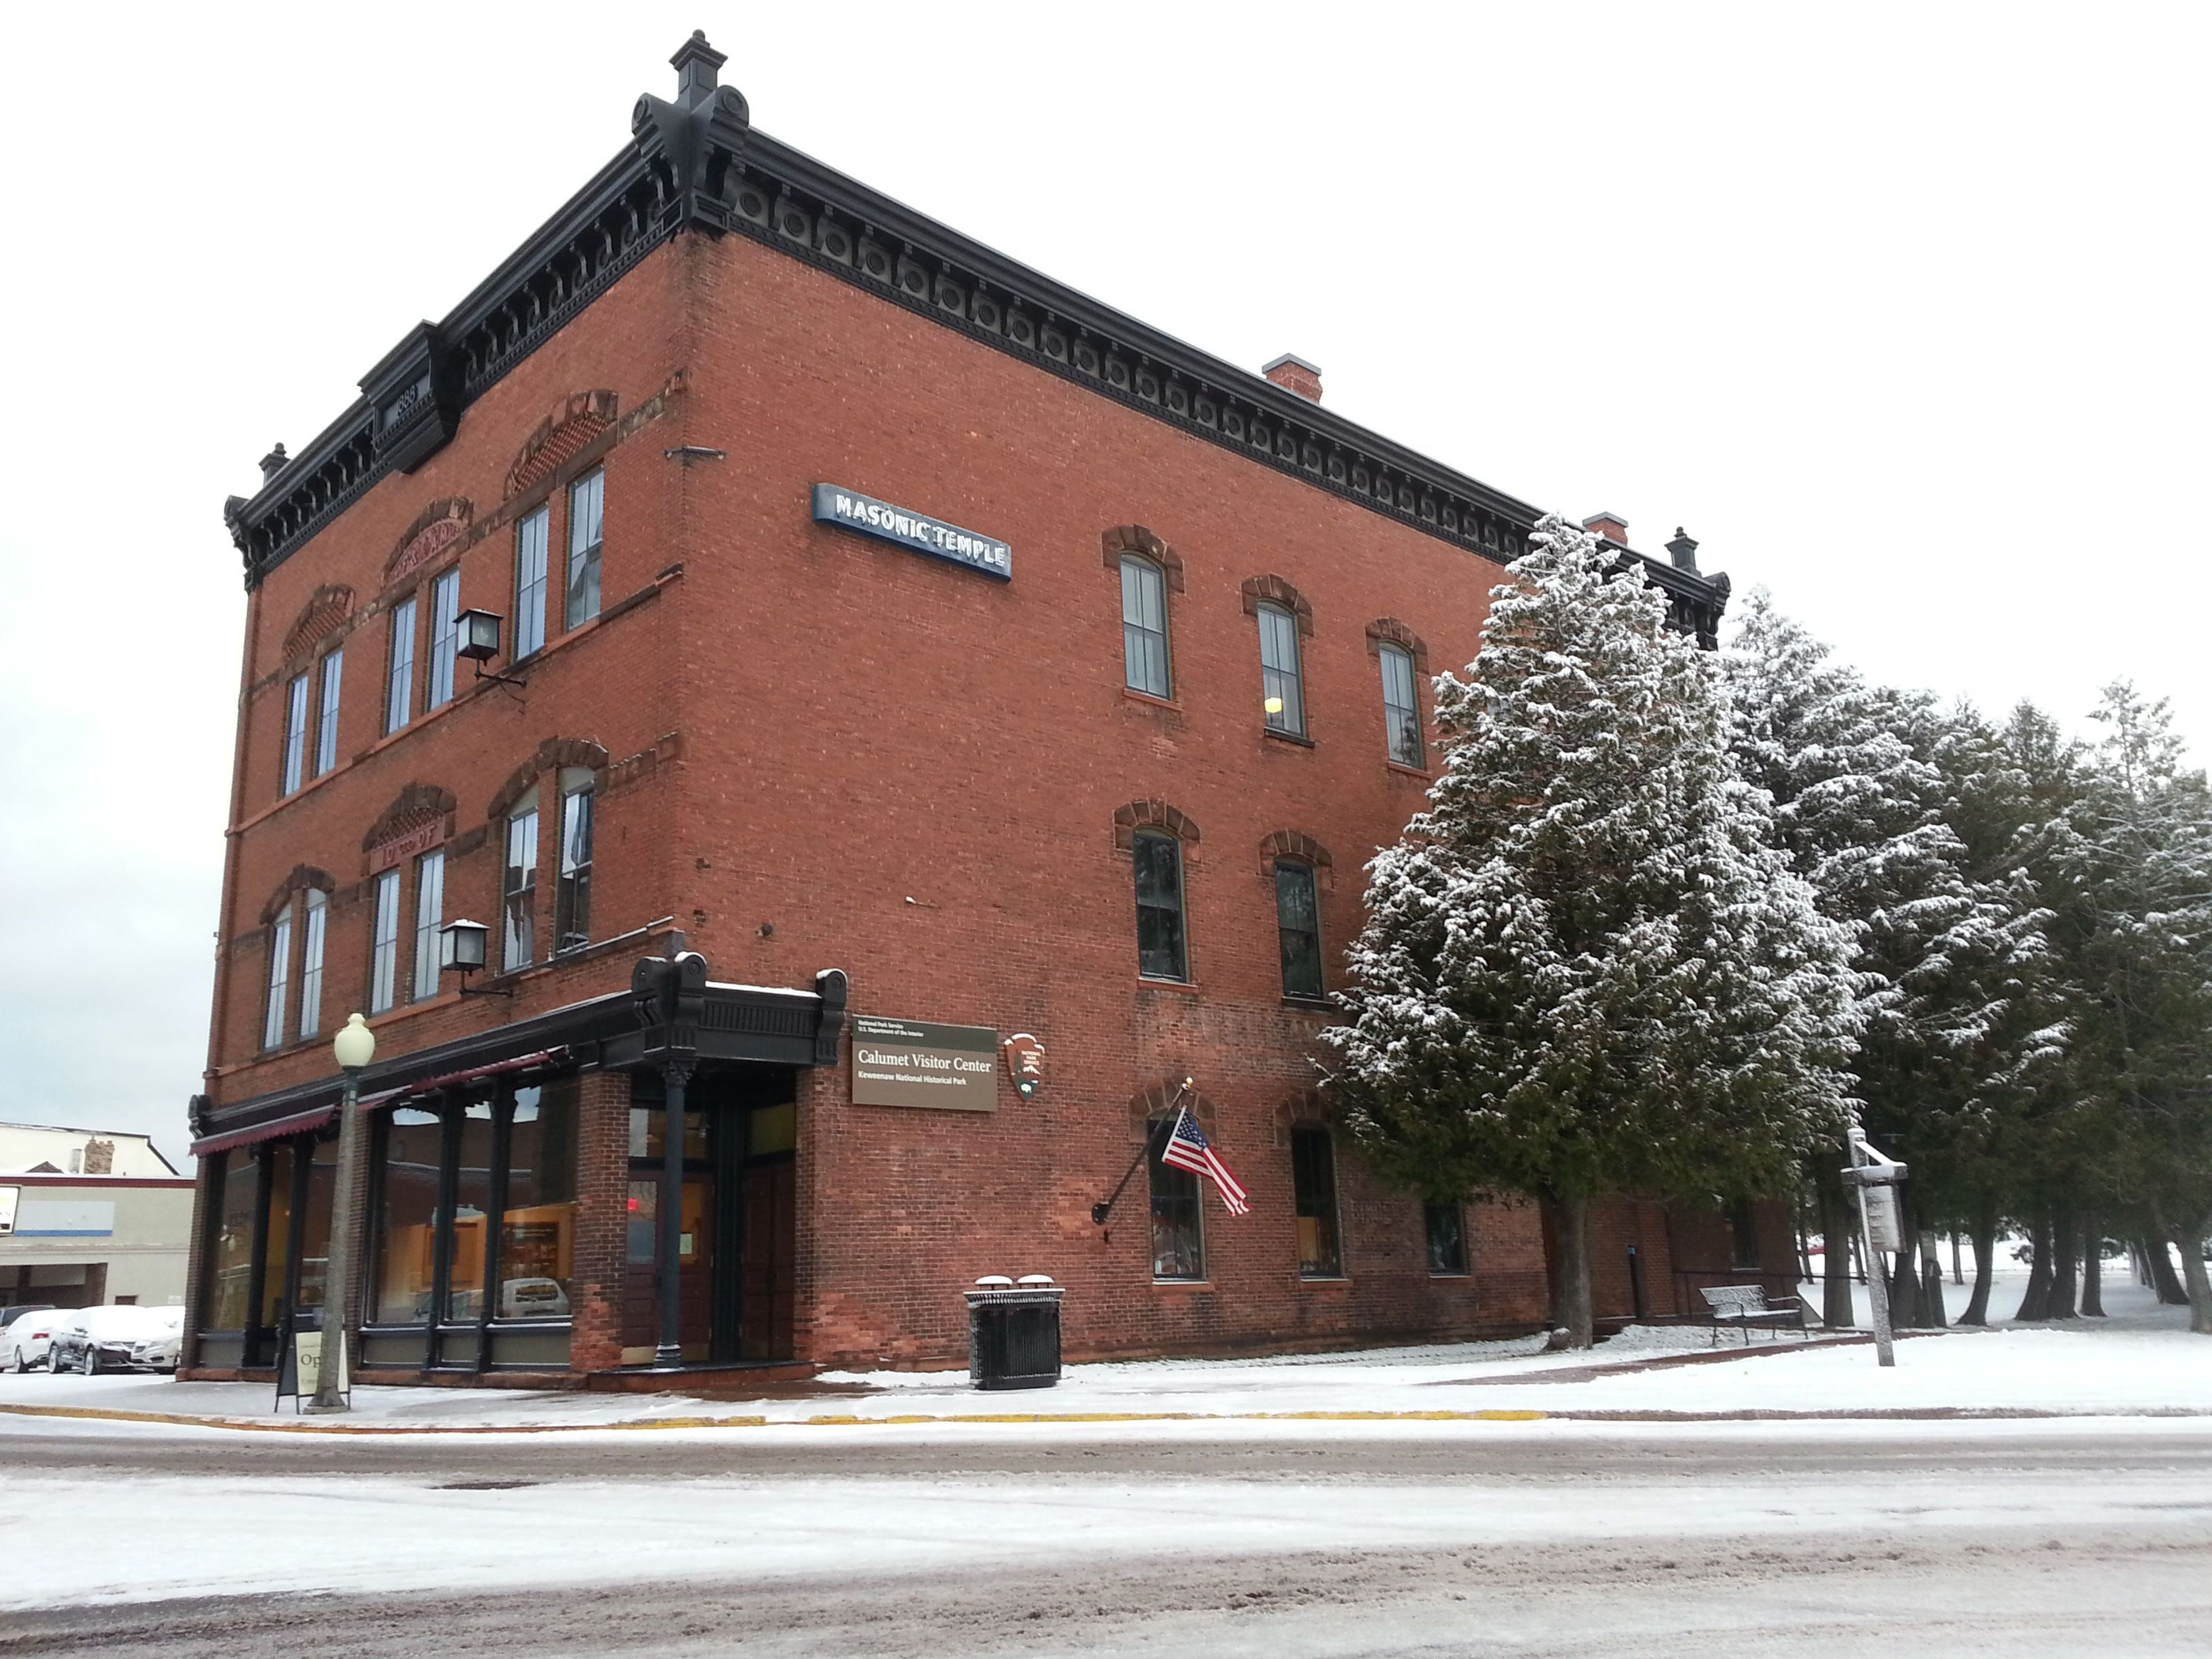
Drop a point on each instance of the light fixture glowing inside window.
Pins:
(1273, 705)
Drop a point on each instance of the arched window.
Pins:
(280, 969)
(1297, 926)
(1145, 627)
(1401, 708)
(518, 886)
(1178, 1211)
(1282, 694)
(1162, 952)
(1313, 1180)
(310, 963)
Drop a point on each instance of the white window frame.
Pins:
(445, 639)
(586, 536)
(332, 671)
(295, 733)
(399, 671)
(384, 943)
(531, 539)
(1280, 625)
(280, 971)
(429, 914)
(1406, 720)
(517, 945)
(312, 933)
(578, 788)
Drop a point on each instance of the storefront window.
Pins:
(276, 1236)
(407, 1217)
(537, 1239)
(315, 1244)
(464, 1277)
(231, 1261)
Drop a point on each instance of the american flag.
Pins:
(1186, 1149)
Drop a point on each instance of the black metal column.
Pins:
(675, 1075)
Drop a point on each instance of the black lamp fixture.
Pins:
(462, 947)
(479, 643)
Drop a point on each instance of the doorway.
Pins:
(738, 1242)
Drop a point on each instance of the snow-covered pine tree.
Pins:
(1586, 968)
(2144, 859)
(1946, 957)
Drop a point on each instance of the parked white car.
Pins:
(119, 1338)
(29, 1337)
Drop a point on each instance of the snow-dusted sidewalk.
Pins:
(2035, 1370)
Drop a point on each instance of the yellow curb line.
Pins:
(837, 1420)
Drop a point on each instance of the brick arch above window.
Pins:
(1388, 630)
(1152, 815)
(1307, 1109)
(1148, 1105)
(1135, 538)
(552, 755)
(437, 527)
(414, 807)
(304, 877)
(572, 423)
(1273, 590)
(1296, 845)
(323, 614)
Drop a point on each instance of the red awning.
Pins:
(431, 1086)
(298, 1123)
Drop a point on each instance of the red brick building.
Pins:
(891, 639)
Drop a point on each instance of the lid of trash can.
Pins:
(1035, 1278)
(994, 1281)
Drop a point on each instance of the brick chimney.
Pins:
(1295, 374)
(1683, 550)
(1607, 526)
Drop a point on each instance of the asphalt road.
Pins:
(2128, 1575)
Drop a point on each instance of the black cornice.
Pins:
(699, 164)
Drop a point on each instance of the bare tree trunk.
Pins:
(2190, 1240)
(2093, 1269)
(1571, 1295)
(2065, 1240)
(1931, 1292)
(2036, 1304)
(1835, 1234)
(1958, 1273)
(2160, 1265)
(1904, 1311)
(1985, 1259)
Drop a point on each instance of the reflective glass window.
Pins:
(1160, 952)
(429, 913)
(277, 1236)
(280, 968)
(1145, 627)
(230, 1265)
(1178, 1221)
(530, 544)
(1445, 1224)
(445, 638)
(384, 943)
(412, 1148)
(1282, 697)
(1313, 1178)
(295, 733)
(586, 502)
(310, 963)
(315, 1239)
(537, 1226)
(326, 722)
(465, 1278)
(1298, 925)
(518, 902)
(572, 891)
(1402, 711)
(399, 668)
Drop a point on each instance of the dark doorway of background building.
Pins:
(739, 1235)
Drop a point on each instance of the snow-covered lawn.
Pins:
(2141, 1360)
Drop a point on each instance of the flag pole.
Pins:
(1099, 1213)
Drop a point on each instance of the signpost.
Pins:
(1874, 1178)
(911, 1063)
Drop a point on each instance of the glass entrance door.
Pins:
(696, 1238)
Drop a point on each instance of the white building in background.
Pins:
(88, 1217)
(38, 1149)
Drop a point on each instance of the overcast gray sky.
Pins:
(1899, 309)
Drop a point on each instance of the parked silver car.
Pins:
(28, 1335)
(122, 1338)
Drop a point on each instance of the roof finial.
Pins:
(698, 69)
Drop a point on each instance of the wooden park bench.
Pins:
(1743, 1306)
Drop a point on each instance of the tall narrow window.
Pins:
(1297, 922)
(537, 1222)
(326, 722)
(1401, 710)
(572, 892)
(586, 500)
(1313, 1178)
(1281, 697)
(530, 537)
(1445, 1223)
(295, 733)
(280, 968)
(407, 1216)
(445, 638)
(519, 892)
(1145, 627)
(399, 676)
(1178, 1219)
(310, 963)
(1160, 953)
(429, 911)
(384, 944)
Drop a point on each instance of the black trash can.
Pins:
(1013, 1332)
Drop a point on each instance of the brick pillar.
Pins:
(602, 1220)
(188, 1349)
(821, 1095)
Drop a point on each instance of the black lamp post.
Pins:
(353, 1048)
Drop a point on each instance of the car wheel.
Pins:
(17, 1364)
(89, 1361)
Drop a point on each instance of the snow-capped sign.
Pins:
(917, 532)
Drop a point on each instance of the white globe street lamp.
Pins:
(353, 1048)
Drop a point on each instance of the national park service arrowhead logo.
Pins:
(1025, 1063)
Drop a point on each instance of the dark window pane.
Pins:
(231, 1265)
(572, 891)
(1178, 1228)
(465, 1278)
(413, 1145)
(1298, 920)
(1743, 1236)
(1401, 713)
(1313, 1176)
(277, 1240)
(315, 1246)
(1160, 908)
(1446, 1225)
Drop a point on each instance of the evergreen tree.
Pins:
(1946, 957)
(1586, 968)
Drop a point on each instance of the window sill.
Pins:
(1324, 1280)
(1146, 700)
(1460, 1273)
(1287, 737)
(1189, 987)
(1311, 1005)
(1182, 1283)
(1406, 771)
